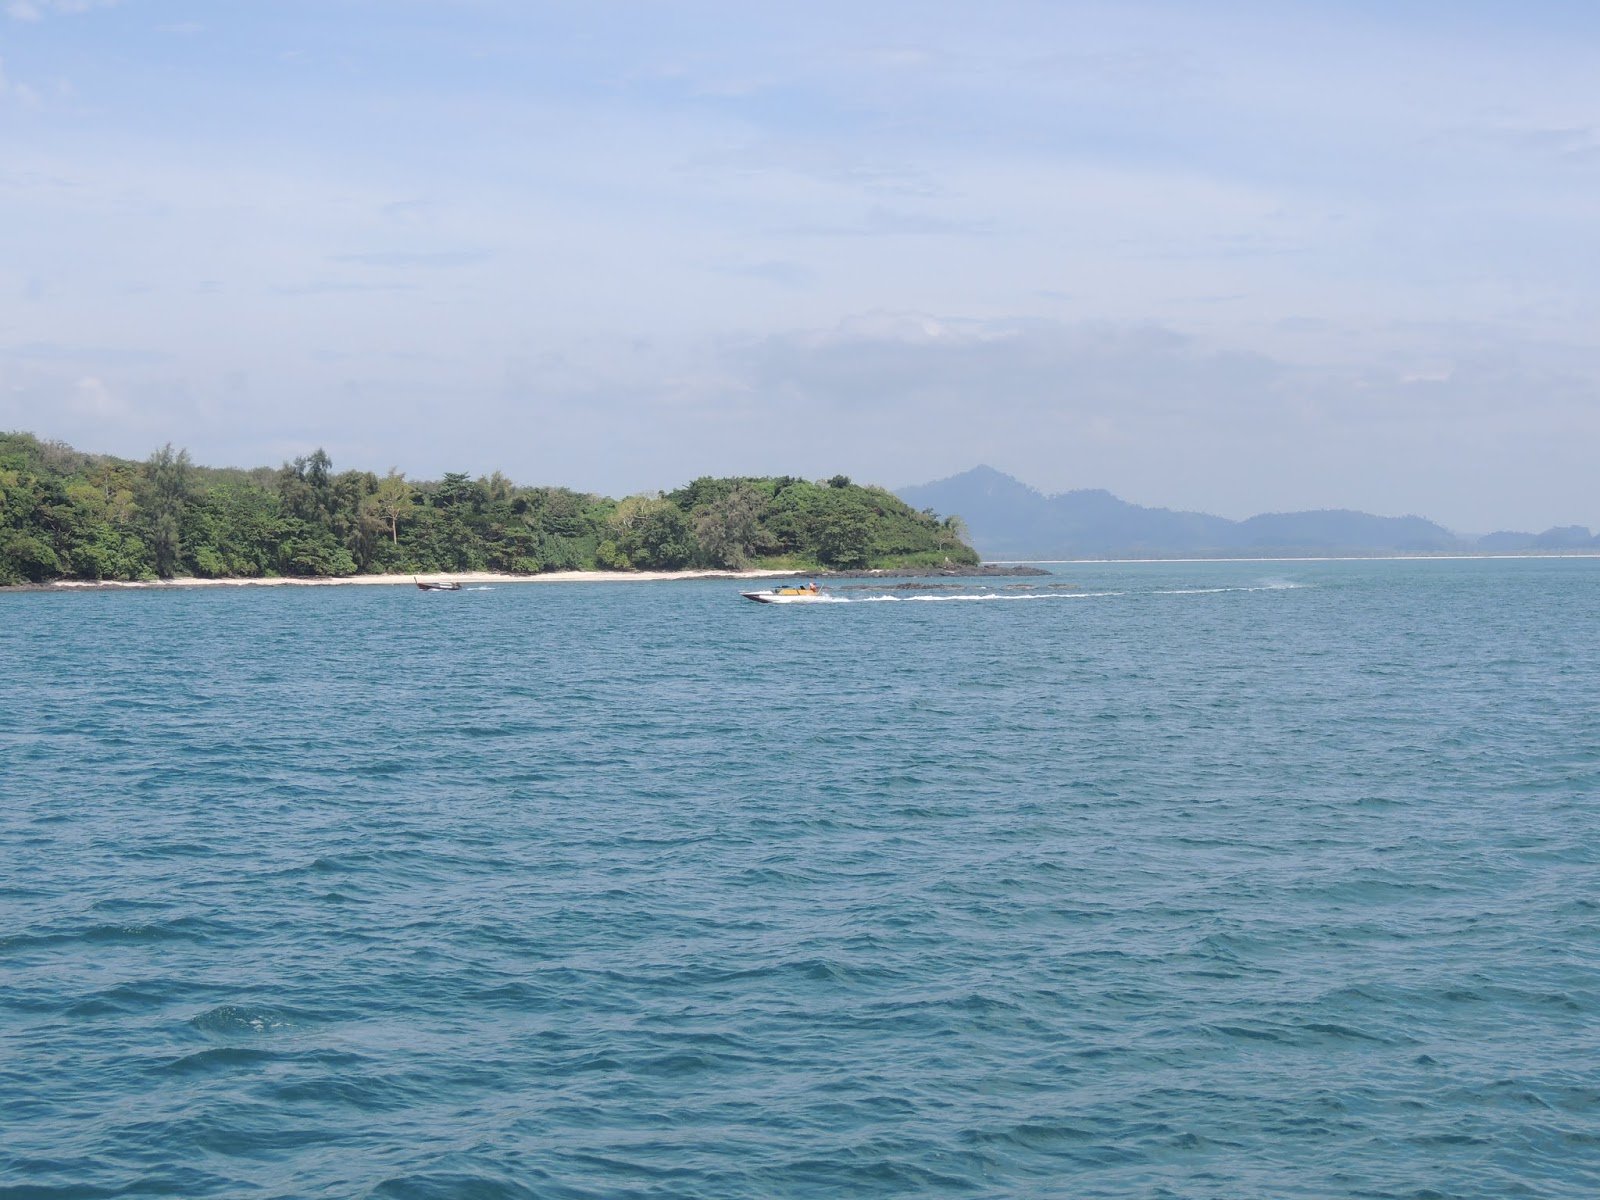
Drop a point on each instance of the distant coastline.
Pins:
(497, 578)
(466, 578)
(1293, 558)
(1010, 521)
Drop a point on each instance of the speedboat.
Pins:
(786, 595)
(429, 586)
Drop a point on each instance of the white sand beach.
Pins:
(464, 578)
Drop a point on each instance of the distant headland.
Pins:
(70, 516)
(1007, 519)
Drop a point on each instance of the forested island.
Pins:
(68, 515)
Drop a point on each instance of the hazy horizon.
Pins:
(1234, 261)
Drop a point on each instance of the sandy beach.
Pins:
(465, 578)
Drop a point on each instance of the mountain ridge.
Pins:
(1008, 518)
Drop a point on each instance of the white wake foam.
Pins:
(973, 596)
(1274, 586)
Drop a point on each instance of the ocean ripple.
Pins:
(1216, 883)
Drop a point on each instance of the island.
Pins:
(66, 515)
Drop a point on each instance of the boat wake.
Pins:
(971, 596)
(1274, 586)
(830, 598)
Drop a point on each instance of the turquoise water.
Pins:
(1219, 880)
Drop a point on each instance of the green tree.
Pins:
(952, 532)
(305, 488)
(647, 532)
(456, 489)
(392, 502)
(729, 530)
(168, 484)
(844, 537)
(26, 557)
(85, 516)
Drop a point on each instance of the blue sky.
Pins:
(1228, 256)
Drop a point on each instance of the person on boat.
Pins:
(814, 586)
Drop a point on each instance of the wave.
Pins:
(1274, 586)
(648, 897)
(1062, 595)
(237, 1019)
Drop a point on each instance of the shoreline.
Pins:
(482, 578)
(494, 578)
(464, 577)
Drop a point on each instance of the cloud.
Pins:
(1577, 143)
(38, 10)
(1470, 431)
(1139, 70)
(21, 93)
(333, 287)
(1160, 379)
(429, 260)
(881, 221)
(872, 169)
(779, 271)
(92, 398)
(412, 213)
(1170, 253)
(901, 363)
(102, 356)
(1461, 431)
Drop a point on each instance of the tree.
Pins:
(730, 529)
(631, 512)
(392, 502)
(952, 531)
(844, 536)
(25, 557)
(497, 488)
(456, 488)
(664, 540)
(305, 490)
(350, 515)
(168, 483)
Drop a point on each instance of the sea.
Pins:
(1200, 880)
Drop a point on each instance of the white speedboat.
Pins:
(786, 595)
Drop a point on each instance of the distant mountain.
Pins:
(1563, 537)
(1567, 537)
(1009, 519)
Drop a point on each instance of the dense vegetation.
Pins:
(70, 515)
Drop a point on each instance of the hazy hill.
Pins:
(1009, 519)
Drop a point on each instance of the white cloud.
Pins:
(432, 260)
(19, 92)
(37, 10)
(1199, 259)
(1165, 418)
(92, 398)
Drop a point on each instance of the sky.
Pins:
(1231, 256)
